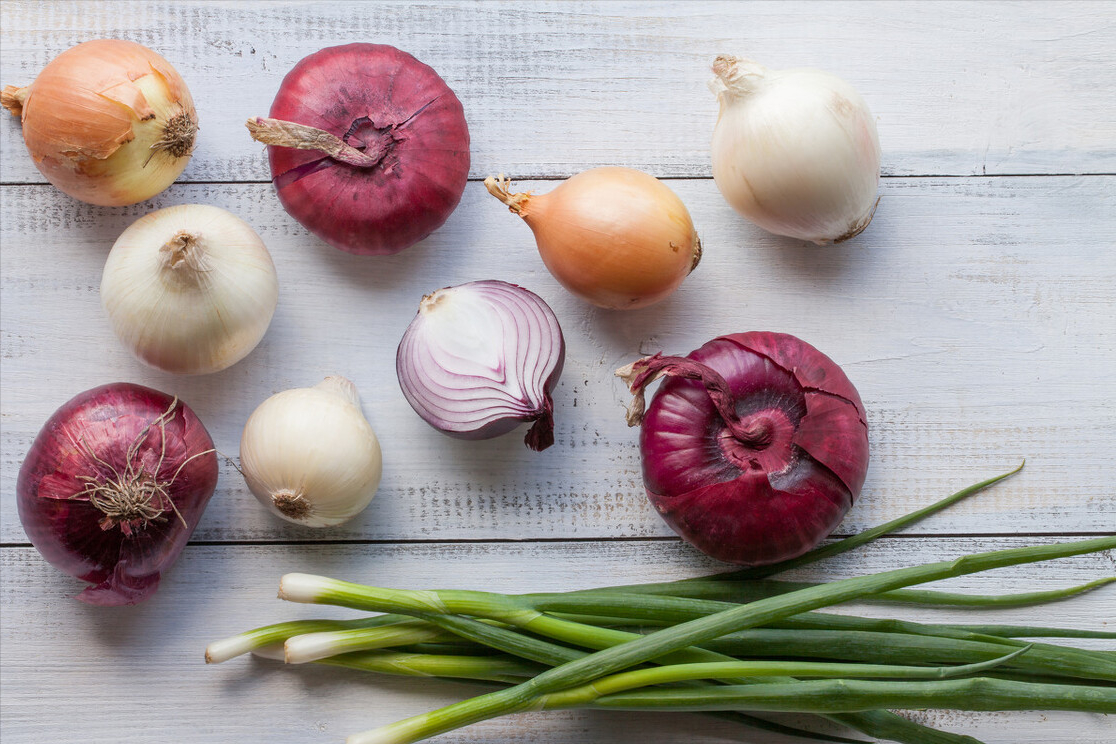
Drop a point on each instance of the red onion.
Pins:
(481, 358)
(755, 447)
(113, 486)
(369, 147)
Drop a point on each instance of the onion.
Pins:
(369, 147)
(310, 456)
(481, 358)
(615, 237)
(795, 151)
(189, 289)
(754, 449)
(108, 122)
(113, 486)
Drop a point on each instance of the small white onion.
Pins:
(189, 289)
(481, 358)
(310, 456)
(795, 151)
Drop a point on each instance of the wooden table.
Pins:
(976, 317)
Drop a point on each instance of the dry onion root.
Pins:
(109, 122)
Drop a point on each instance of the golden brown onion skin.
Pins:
(615, 237)
(109, 122)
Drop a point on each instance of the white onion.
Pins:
(795, 151)
(190, 289)
(481, 358)
(310, 456)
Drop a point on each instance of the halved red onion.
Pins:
(481, 358)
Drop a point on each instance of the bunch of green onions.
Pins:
(730, 645)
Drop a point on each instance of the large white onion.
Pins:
(190, 289)
(795, 151)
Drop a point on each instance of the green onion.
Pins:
(911, 649)
(848, 695)
(305, 588)
(749, 591)
(313, 646)
(258, 638)
(708, 642)
(502, 668)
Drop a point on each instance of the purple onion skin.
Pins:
(767, 500)
(363, 93)
(122, 558)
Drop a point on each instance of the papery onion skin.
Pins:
(374, 97)
(795, 151)
(109, 122)
(474, 397)
(88, 441)
(617, 238)
(772, 485)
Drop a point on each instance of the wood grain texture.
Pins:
(77, 673)
(975, 317)
(551, 88)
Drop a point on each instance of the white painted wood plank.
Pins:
(555, 87)
(975, 316)
(128, 675)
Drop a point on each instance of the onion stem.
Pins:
(850, 695)
(663, 675)
(748, 591)
(870, 647)
(502, 668)
(307, 647)
(279, 133)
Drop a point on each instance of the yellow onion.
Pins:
(108, 122)
(615, 237)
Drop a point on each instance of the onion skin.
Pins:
(617, 238)
(123, 559)
(108, 122)
(771, 485)
(374, 97)
(501, 381)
